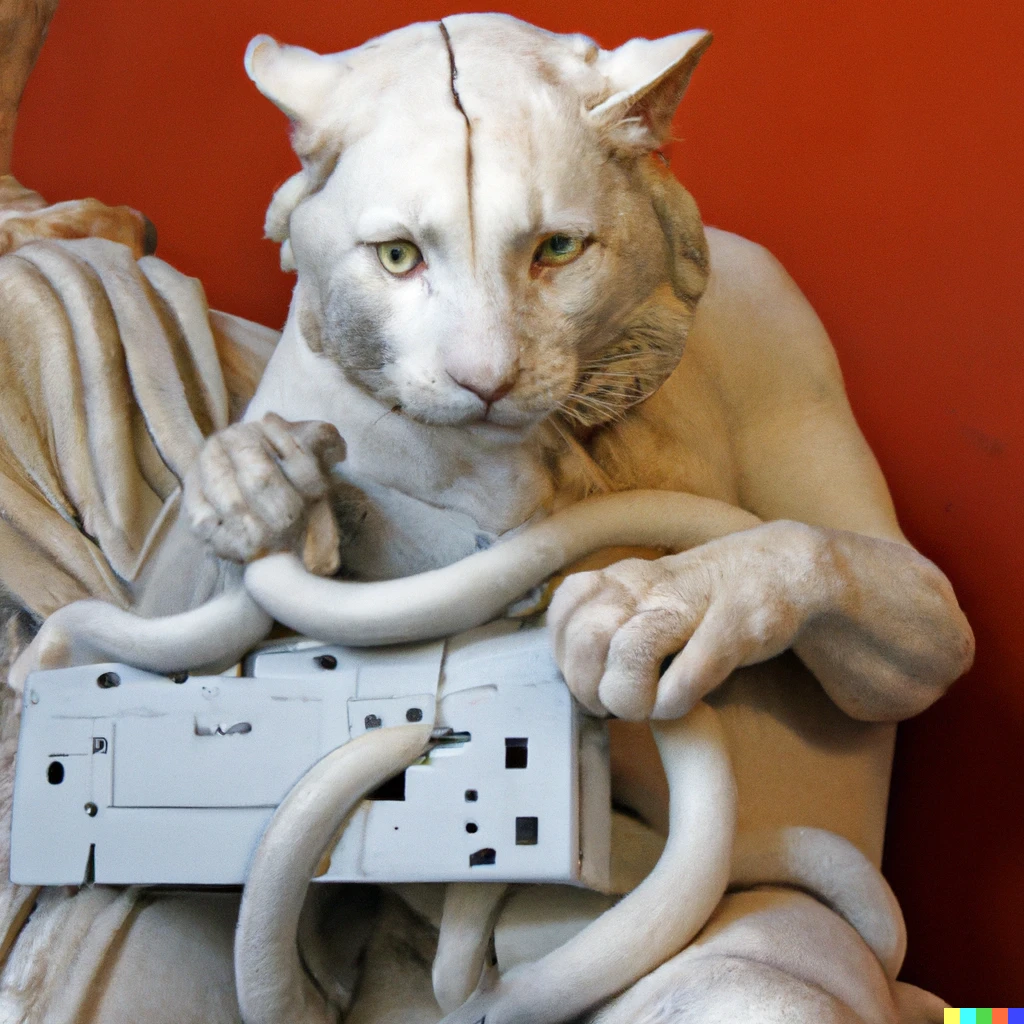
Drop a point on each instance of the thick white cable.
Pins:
(463, 940)
(272, 986)
(478, 588)
(213, 636)
(833, 870)
(658, 918)
(431, 604)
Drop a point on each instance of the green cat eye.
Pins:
(557, 250)
(399, 257)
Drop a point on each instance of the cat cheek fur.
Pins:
(355, 337)
(634, 366)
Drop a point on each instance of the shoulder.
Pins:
(756, 331)
(739, 258)
(749, 288)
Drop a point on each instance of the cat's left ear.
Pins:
(648, 78)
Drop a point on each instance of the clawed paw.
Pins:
(648, 639)
(255, 485)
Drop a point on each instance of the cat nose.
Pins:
(487, 392)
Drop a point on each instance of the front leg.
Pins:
(876, 622)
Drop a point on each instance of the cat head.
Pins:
(482, 228)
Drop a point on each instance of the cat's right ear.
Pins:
(296, 80)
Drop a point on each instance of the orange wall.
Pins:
(877, 147)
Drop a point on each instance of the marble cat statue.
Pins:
(496, 279)
(507, 310)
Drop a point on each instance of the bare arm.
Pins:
(829, 574)
(889, 636)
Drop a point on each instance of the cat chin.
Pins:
(496, 423)
(488, 430)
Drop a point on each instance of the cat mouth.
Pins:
(509, 420)
(497, 419)
(477, 422)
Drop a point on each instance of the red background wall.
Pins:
(877, 147)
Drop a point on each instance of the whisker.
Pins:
(610, 360)
(606, 401)
(639, 375)
(384, 415)
(605, 410)
(596, 397)
(590, 399)
(619, 354)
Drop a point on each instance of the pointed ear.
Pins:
(647, 78)
(294, 79)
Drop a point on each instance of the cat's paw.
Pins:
(733, 602)
(255, 485)
(25, 216)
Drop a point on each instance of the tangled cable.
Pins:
(649, 925)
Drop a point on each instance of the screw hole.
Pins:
(414, 715)
(471, 827)
(108, 680)
(91, 809)
(55, 773)
(326, 661)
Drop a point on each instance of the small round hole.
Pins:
(55, 773)
(414, 715)
(471, 827)
(91, 809)
(108, 680)
(327, 661)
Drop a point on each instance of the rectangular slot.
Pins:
(516, 753)
(484, 856)
(393, 789)
(526, 831)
